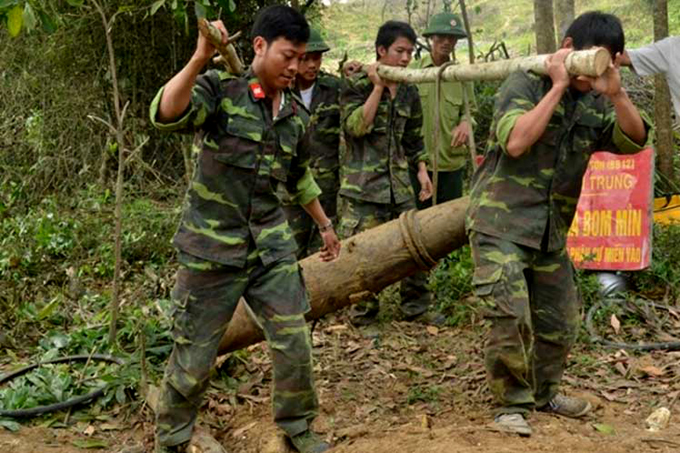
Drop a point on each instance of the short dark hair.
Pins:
(392, 30)
(595, 28)
(280, 21)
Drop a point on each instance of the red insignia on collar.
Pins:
(258, 92)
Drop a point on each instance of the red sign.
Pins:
(612, 226)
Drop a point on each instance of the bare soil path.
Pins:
(402, 387)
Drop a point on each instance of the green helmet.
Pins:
(316, 42)
(446, 24)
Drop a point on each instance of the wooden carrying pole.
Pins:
(368, 263)
(592, 62)
(227, 52)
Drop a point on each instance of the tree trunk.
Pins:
(428, 12)
(544, 26)
(564, 16)
(117, 127)
(592, 62)
(466, 22)
(368, 263)
(411, 6)
(662, 100)
(104, 166)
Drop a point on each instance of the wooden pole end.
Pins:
(601, 61)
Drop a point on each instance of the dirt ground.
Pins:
(402, 387)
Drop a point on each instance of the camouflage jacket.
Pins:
(324, 132)
(374, 167)
(243, 156)
(531, 200)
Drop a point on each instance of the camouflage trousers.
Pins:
(205, 297)
(305, 231)
(357, 216)
(531, 301)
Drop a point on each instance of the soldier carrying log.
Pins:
(320, 93)
(522, 203)
(382, 122)
(233, 238)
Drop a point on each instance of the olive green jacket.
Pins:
(451, 112)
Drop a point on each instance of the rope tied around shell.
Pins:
(411, 233)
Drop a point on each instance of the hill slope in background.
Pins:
(351, 26)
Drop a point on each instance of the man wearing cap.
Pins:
(320, 93)
(443, 32)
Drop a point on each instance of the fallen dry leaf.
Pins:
(652, 371)
(352, 432)
(616, 324)
(109, 427)
(658, 419)
(621, 368)
(448, 363)
(89, 430)
(337, 328)
(152, 395)
(432, 330)
(241, 431)
(608, 396)
(352, 346)
(255, 399)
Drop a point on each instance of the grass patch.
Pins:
(451, 283)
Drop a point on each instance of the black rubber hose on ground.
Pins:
(64, 404)
(595, 338)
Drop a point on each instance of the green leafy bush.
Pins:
(451, 282)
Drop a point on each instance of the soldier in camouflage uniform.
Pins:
(233, 238)
(382, 124)
(522, 203)
(320, 92)
(444, 31)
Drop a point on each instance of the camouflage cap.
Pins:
(316, 42)
(446, 24)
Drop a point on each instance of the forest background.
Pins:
(60, 147)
